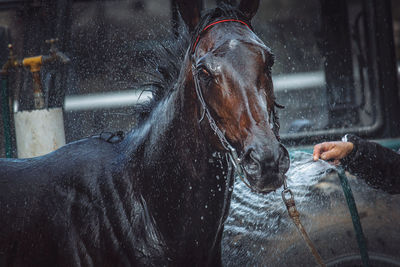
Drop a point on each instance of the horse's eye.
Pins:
(205, 71)
(204, 74)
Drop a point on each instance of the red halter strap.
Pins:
(212, 24)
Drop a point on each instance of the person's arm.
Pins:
(379, 166)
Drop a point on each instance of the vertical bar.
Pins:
(386, 61)
(6, 115)
(335, 46)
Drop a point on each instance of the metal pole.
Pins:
(6, 115)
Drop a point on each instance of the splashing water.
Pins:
(251, 211)
(258, 231)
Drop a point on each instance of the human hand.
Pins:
(332, 150)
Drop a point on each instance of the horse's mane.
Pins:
(166, 64)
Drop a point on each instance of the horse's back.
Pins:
(71, 163)
(39, 196)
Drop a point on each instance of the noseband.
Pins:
(233, 156)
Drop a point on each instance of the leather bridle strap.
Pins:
(236, 161)
(233, 156)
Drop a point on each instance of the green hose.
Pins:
(362, 245)
(6, 115)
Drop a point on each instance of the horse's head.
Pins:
(232, 72)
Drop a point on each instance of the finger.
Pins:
(318, 149)
(330, 154)
(317, 152)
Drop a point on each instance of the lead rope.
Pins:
(289, 202)
(295, 216)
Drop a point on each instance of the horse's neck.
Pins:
(180, 176)
(172, 133)
(174, 136)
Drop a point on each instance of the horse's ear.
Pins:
(190, 12)
(249, 7)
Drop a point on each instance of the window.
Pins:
(323, 72)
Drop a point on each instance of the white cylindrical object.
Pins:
(39, 132)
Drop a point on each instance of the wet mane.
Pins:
(166, 64)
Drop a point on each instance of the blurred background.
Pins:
(336, 70)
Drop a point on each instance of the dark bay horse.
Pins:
(159, 196)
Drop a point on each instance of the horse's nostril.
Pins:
(252, 167)
(251, 164)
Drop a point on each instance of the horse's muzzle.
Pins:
(266, 169)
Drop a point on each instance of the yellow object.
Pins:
(35, 63)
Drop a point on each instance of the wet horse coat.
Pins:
(159, 196)
(83, 204)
